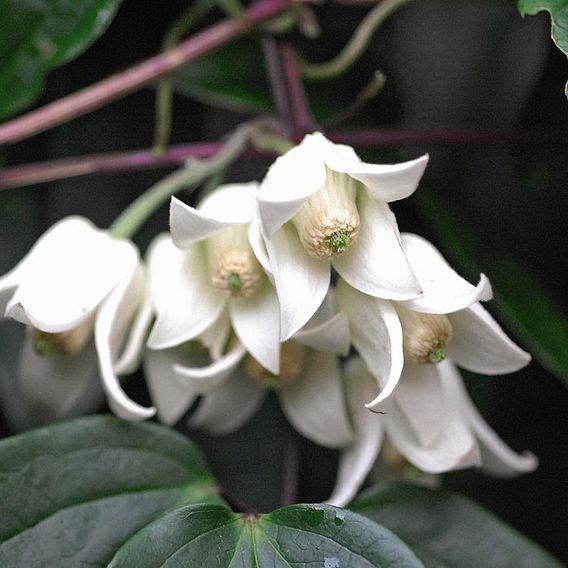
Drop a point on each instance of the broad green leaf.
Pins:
(38, 35)
(72, 493)
(233, 77)
(558, 10)
(446, 530)
(211, 536)
(520, 298)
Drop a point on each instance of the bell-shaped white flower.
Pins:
(447, 319)
(77, 283)
(443, 432)
(308, 383)
(321, 206)
(214, 270)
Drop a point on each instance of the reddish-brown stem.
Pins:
(139, 75)
(301, 114)
(41, 172)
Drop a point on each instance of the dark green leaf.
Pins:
(300, 535)
(519, 296)
(446, 530)
(558, 10)
(232, 77)
(72, 493)
(39, 35)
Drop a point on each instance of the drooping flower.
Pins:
(214, 272)
(321, 206)
(76, 284)
(430, 420)
(308, 383)
(447, 318)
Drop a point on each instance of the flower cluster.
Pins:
(239, 300)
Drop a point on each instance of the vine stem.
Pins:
(128, 81)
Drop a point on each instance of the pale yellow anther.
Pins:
(232, 265)
(328, 222)
(425, 336)
(292, 359)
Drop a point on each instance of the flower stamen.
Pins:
(425, 336)
(68, 342)
(292, 359)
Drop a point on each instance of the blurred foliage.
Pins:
(37, 36)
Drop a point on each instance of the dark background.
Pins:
(466, 64)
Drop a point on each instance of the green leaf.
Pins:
(72, 493)
(38, 35)
(299, 535)
(446, 530)
(558, 10)
(520, 298)
(232, 77)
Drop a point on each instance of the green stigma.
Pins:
(234, 282)
(271, 381)
(339, 241)
(45, 347)
(437, 354)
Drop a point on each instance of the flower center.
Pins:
(67, 342)
(292, 359)
(425, 336)
(328, 222)
(232, 265)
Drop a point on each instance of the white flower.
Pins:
(319, 206)
(76, 283)
(430, 420)
(212, 272)
(447, 318)
(308, 383)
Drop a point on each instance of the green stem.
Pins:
(164, 89)
(189, 177)
(268, 142)
(356, 45)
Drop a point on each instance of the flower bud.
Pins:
(425, 336)
(292, 359)
(232, 265)
(328, 222)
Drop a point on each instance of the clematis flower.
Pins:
(76, 284)
(321, 206)
(308, 383)
(443, 432)
(446, 319)
(215, 274)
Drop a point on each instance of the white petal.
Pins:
(384, 182)
(313, 403)
(229, 407)
(226, 206)
(480, 345)
(171, 398)
(71, 270)
(331, 335)
(256, 322)
(377, 335)
(420, 398)
(131, 355)
(258, 246)
(444, 290)
(63, 383)
(297, 276)
(187, 303)
(291, 179)
(215, 338)
(375, 263)
(356, 461)
(205, 378)
(111, 325)
(496, 457)
(454, 448)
